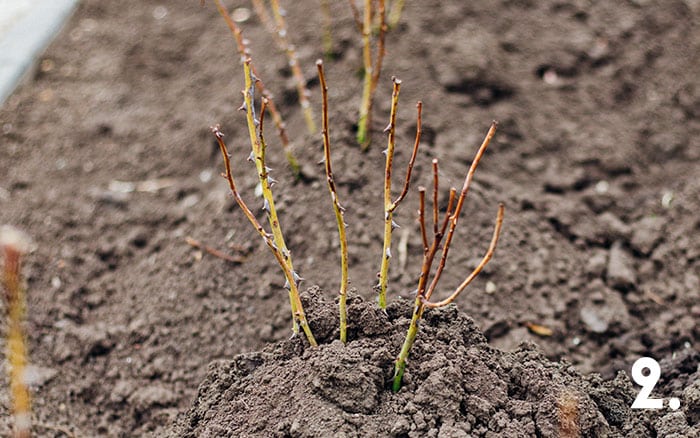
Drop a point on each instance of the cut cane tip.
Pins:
(15, 239)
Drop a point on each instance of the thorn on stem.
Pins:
(216, 130)
(297, 278)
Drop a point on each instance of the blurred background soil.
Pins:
(106, 160)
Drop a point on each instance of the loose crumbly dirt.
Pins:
(456, 386)
(596, 159)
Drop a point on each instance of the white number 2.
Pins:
(647, 383)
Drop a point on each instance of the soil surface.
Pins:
(107, 161)
(457, 386)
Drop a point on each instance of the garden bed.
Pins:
(107, 161)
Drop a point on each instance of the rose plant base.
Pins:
(456, 385)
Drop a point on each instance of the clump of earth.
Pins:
(456, 385)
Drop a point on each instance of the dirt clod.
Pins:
(458, 386)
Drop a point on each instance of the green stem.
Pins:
(365, 106)
(395, 14)
(258, 146)
(400, 365)
(389, 206)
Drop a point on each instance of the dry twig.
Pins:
(213, 251)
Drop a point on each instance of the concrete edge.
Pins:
(27, 39)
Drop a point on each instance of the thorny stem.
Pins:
(11, 242)
(412, 160)
(336, 206)
(388, 213)
(423, 295)
(258, 149)
(298, 314)
(389, 205)
(291, 53)
(244, 52)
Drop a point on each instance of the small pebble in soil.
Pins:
(160, 12)
(620, 271)
(240, 15)
(666, 199)
(647, 234)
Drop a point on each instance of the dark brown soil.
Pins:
(457, 386)
(596, 159)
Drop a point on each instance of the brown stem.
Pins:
(412, 160)
(422, 295)
(263, 15)
(381, 51)
(337, 208)
(458, 208)
(355, 15)
(478, 269)
(289, 50)
(436, 186)
(421, 218)
(213, 251)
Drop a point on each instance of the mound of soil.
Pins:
(456, 385)
(106, 160)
